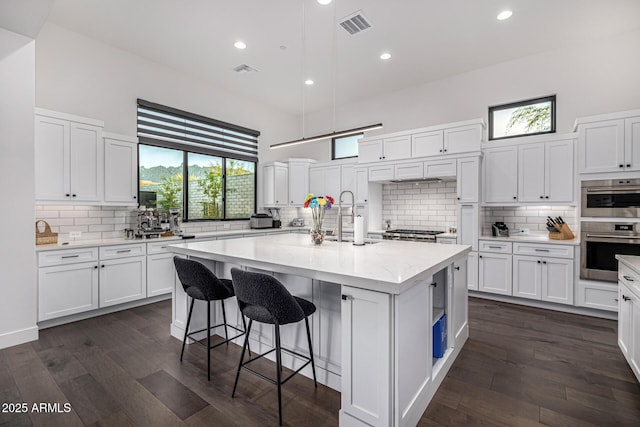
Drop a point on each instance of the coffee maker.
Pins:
(175, 221)
(275, 214)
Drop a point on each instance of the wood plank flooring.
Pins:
(520, 367)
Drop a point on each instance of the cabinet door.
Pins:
(397, 148)
(86, 163)
(459, 300)
(362, 185)
(440, 168)
(531, 186)
(366, 355)
(634, 351)
(316, 180)
(370, 151)
(632, 144)
(494, 273)
(52, 159)
(122, 280)
(526, 277)
(468, 225)
(160, 274)
(559, 171)
(625, 319)
(557, 280)
(409, 171)
(268, 185)
(462, 139)
(427, 143)
(500, 168)
(120, 171)
(332, 181)
(468, 184)
(348, 178)
(472, 271)
(67, 289)
(381, 173)
(298, 183)
(601, 146)
(281, 190)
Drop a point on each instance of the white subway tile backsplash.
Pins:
(532, 217)
(427, 205)
(74, 214)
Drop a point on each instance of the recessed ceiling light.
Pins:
(505, 14)
(308, 82)
(324, 2)
(240, 45)
(385, 56)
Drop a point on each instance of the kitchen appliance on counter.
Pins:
(149, 224)
(261, 220)
(275, 215)
(499, 229)
(613, 198)
(599, 244)
(175, 221)
(426, 236)
(297, 222)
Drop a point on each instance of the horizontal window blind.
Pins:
(172, 128)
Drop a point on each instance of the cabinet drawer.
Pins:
(598, 296)
(547, 250)
(493, 246)
(381, 173)
(629, 278)
(440, 169)
(67, 256)
(159, 247)
(408, 171)
(122, 251)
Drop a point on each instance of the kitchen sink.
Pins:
(350, 240)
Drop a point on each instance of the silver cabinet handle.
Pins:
(627, 278)
(495, 247)
(542, 250)
(70, 256)
(123, 251)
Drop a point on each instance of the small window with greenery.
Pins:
(345, 146)
(531, 117)
(203, 167)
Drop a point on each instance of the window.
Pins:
(346, 146)
(203, 167)
(531, 117)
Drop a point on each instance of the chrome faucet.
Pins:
(340, 212)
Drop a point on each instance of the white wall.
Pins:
(589, 79)
(18, 301)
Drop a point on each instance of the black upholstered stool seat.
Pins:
(261, 297)
(200, 283)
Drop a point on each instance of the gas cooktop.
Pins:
(411, 235)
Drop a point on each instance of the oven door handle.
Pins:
(607, 190)
(612, 236)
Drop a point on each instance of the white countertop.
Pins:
(633, 262)
(203, 235)
(387, 266)
(533, 238)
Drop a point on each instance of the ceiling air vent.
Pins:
(355, 23)
(244, 68)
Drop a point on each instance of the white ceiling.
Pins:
(428, 39)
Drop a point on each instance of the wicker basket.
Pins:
(47, 236)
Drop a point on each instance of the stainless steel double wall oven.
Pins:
(618, 200)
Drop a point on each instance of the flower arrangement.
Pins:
(319, 205)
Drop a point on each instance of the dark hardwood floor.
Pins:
(520, 367)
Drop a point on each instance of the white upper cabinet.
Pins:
(298, 181)
(396, 148)
(462, 139)
(275, 184)
(545, 172)
(427, 143)
(69, 158)
(370, 151)
(501, 174)
(120, 169)
(531, 173)
(325, 181)
(468, 184)
(361, 185)
(609, 143)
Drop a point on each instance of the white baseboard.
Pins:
(21, 336)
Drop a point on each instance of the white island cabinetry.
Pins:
(376, 302)
(629, 310)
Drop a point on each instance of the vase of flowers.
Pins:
(318, 205)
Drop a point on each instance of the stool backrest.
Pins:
(266, 291)
(194, 273)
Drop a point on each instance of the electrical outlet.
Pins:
(524, 231)
(226, 225)
(75, 234)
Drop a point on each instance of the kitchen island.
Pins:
(377, 305)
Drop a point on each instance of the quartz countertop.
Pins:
(202, 235)
(633, 262)
(533, 238)
(385, 266)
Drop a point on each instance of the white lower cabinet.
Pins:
(67, 289)
(541, 278)
(629, 317)
(527, 277)
(472, 271)
(494, 273)
(160, 274)
(123, 280)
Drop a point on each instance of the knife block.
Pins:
(564, 233)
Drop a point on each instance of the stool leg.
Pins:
(313, 364)
(278, 371)
(244, 324)
(224, 319)
(208, 340)
(186, 331)
(245, 345)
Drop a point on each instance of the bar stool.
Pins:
(263, 298)
(201, 284)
